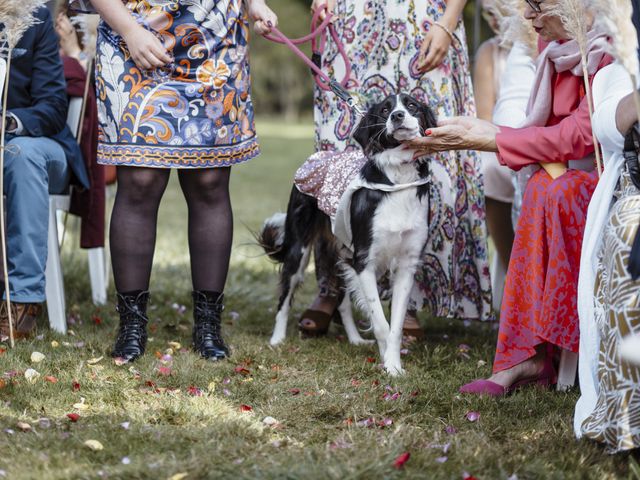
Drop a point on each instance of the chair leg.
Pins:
(98, 275)
(567, 370)
(54, 280)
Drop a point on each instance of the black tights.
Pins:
(135, 216)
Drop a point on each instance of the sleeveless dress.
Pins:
(382, 39)
(194, 113)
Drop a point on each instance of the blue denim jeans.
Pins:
(34, 167)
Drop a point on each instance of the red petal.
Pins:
(294, 391)
(245, 408)
(241, 370)
(74, 417)
(75, 386)
(51, 379)
(371, 360)
(401, 460)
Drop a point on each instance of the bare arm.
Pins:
(483, 81)
(437, 41)
(145, 49)
(626, 114)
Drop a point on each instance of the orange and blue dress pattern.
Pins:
(193, 113)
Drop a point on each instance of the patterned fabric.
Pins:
(616, 418)
(195, 112)
(382, 39)
(540, 297)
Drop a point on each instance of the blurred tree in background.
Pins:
(282, 84)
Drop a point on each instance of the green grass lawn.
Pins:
(334, 413)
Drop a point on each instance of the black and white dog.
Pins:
(382, 226)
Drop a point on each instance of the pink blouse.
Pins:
(567, 135)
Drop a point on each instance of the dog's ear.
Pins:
(363, 132)
(427, 117)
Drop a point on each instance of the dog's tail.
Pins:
(271, 237)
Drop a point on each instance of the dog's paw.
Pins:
(394, 370)
(361, 341)
(276, 340)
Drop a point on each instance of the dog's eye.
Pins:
(385, 110)
(413, 106)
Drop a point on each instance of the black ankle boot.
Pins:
(132, 334)
(207, 341)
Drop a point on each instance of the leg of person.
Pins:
(34, 167)
(316, 319)
(210, 237)
(132, 239)
(516, 354)
(500, 227)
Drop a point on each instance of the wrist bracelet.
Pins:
(445, 29)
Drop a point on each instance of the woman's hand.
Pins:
(68, 37)
(457, 133)
(263, 17)
(330, 4)
(434, 48)
(145, 49)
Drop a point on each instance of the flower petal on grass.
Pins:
(51, 379)
(178, 476)
(270, 421)
(442, 459)
(94, 445)
(74, 417)
(54, 344)
(75, 386)
(246, 408)
(164, 371)
(31, 375)
(93, 361)
(294, 391)
(472, 416)
(401, 460)
(24, 426)
(37, 357)
(194, 391)
(451, 430)
(125, 425)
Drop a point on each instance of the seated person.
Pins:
(539, 308)
(609, 304)
(41, 157)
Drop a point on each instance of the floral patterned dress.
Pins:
(195, 112)
(382, 39)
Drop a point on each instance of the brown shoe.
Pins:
(24, 316)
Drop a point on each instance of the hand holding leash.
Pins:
(263, 17)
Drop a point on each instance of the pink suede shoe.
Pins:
(486, 387)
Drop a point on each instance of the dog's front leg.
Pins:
(349, 325)
(402, 285)
(292, 277)
(369, 289)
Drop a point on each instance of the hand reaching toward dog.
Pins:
(264, 19)
(457, 133)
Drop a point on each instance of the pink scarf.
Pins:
(561, 57)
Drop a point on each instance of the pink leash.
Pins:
(318, 38)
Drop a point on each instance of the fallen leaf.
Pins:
(3, 383)
(74, 417)
(245, 408)
(472, 416)
(401, 460)
(31, 375)
(54, 344)
(242, 370)
(51, 379)
(212, 387)
(94, 445)
(37, 357)
(194, 391)
(178, 476)
(2, 351)
(175, 345)
(24, 426)
(93, 361)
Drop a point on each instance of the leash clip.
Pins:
(346, 97)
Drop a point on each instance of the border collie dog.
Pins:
(381, 225)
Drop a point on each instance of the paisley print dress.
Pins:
(382, 39)
(194, 113)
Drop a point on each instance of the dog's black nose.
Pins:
(397, 117)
